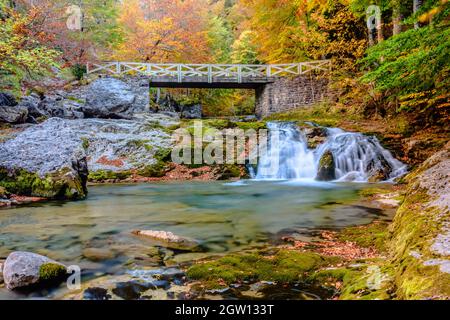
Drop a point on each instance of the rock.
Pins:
(7, 99)
(98, 254)
(58, 152)
(193, 111)
(15, 114)
(45, 160)
(169, 240)
(326, 170)
(109, 98)
(96, 293)
(130, 290)
(23, 269)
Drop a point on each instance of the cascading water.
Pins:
(356, 157)
(287, 155)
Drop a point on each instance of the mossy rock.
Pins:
(374, 235)
(156, 170)
(104, 175)
(51, 271)
(230, 171)
(326, 170)
(256, 125)
(61, 184)
(356, 283)
(285, 266)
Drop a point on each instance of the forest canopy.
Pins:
(36, 39)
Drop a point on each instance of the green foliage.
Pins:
(244, 49)
(413, 66)
(78, 71)
(220, 39)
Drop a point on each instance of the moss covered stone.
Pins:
(62, 184)
(104, 175)
(286, 266)
(373, 235)
(326, 170)
(51, 271)
(230, 171)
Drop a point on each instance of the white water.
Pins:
(356, 157)
(287, 155)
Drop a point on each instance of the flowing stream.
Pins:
(282, 199)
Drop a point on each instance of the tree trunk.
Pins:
(416, 6)
(380, 30)
(396, 19)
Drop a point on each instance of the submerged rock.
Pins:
(23, 269)
(169, 240)
(326, 170)
(45, 160)
(96, 293)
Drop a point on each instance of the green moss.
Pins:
(75, 99)
(256, 125)
(50, 271)
(284, 266)
(414, 227)
(370, 192)
(153, 170)
(102, 175)
(56, 185)
(230, 171)
(85, 143)
(317, 114)
(372, 235)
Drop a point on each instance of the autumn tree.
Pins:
(22, 52)
(164, 31)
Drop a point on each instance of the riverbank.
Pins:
(405, 259)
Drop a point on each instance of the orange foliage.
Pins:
(164, 31)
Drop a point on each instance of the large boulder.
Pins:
(23, 269)
(46, 160)
(326, 170)
(109, 98)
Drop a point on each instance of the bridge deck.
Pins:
(208, 75)
(217, 82)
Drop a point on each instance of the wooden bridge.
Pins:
(179, 75)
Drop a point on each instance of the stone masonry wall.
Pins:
(290, 93)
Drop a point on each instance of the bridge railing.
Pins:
(181, 71)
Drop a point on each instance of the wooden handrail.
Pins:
(209, 71)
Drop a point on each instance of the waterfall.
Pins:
(356, 157)
(287, 155)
